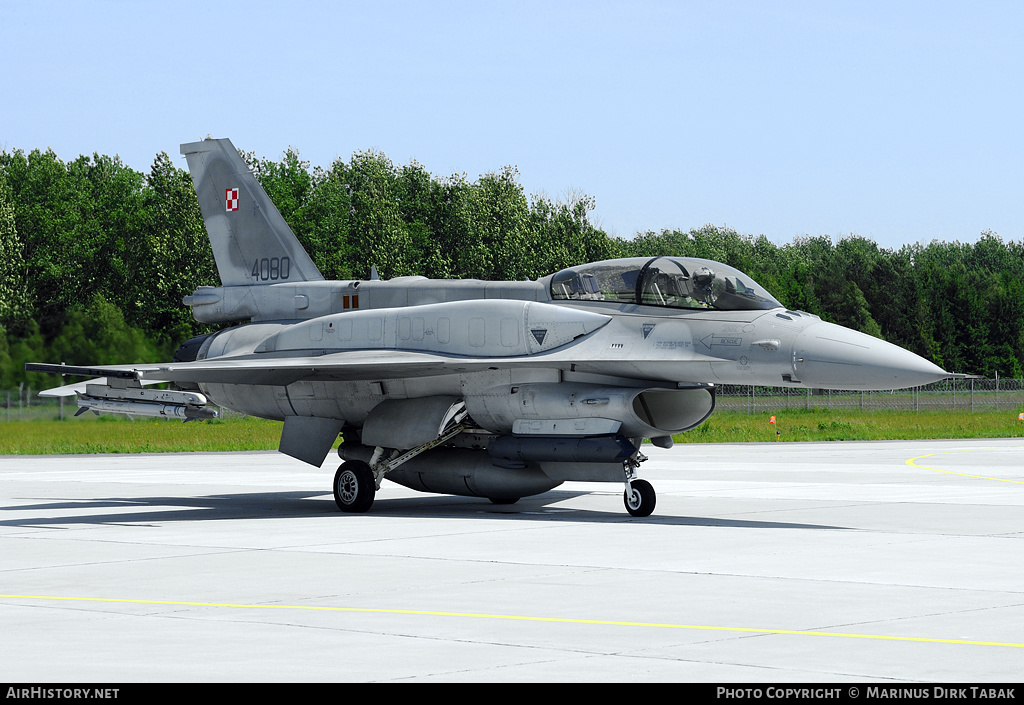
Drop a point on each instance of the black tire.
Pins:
(503, 500)
(354, 487)
(640, 503)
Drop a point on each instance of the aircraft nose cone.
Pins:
(830, 356)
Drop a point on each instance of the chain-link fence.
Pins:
(22, 404)
(961, 394)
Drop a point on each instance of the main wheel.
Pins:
(354, 487)
(503, 500)
(640, 499)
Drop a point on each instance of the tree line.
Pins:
(95, 257)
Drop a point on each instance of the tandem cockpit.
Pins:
(671, 282)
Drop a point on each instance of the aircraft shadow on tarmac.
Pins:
(143, 511)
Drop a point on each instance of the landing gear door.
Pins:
(407, 423)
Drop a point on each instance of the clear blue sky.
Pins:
(898, 121)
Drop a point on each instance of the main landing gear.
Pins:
(356, 483)
(354, 487)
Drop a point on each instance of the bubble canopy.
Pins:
(672, 282)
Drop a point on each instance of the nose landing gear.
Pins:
(639, 496)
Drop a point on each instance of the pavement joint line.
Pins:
(523, 618)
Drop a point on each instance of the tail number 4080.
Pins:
(271, 269)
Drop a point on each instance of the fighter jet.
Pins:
(497, 390)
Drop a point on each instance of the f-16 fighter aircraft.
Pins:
(490, 389)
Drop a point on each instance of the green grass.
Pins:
(854, 425)
(112, 434)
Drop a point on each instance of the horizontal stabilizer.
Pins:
(115, 371)
(79, 388)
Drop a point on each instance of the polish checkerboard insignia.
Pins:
(231, 199)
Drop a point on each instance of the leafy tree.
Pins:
(97, 334)
(289, 185)
(75, 222)
(14, 303)
(377, 233)
(493, 238)
(423, 208)
(46, 205)
(26, 347)
(843, 276)
(170, 256)
(328, 212)
(7, 371)
(561, 235)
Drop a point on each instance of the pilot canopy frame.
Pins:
(672, 282)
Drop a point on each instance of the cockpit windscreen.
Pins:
(674, 282)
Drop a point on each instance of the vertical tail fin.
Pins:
(252, 243)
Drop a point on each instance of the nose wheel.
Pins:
(639, 498)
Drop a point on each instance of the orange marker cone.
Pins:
(1020, 417)
(772, 419)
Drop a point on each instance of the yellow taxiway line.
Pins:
(912, 463)
(523, 618)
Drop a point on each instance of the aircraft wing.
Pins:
(354, 365)
(259, 370)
